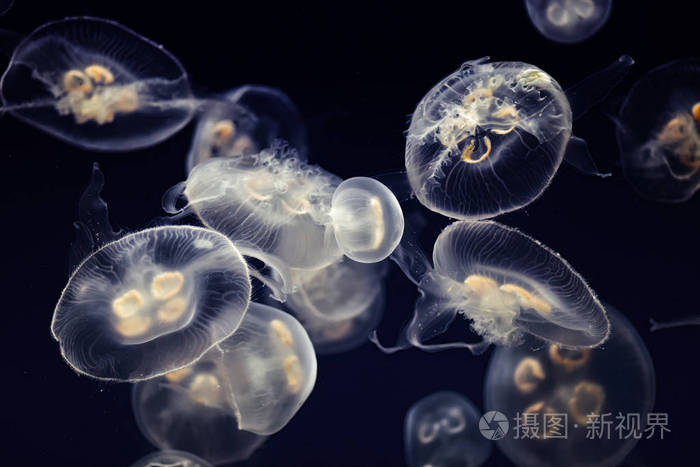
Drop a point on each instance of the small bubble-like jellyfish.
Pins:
(442, 430)
(151, 302)
(171, 459)
(569, 393)
(250, 384)
(338, 305)
(245, 121)
(659, 132)
(98, 85)
(568, 21)
(505, 283)
(488, 138)
(367, 219)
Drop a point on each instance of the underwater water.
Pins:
(356, 72)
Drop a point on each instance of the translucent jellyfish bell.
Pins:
(255, 381)
(98, 85)
(506, 284)
(367, 219)
(659, 132)
(271, 203)
(245, 121)
(589, 386)
(568, 21)
(488, 138)
(442, 430)
(171, 459)
(338, 305)
(151, 302)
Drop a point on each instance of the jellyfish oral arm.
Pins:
(579, 157)
(690, 321)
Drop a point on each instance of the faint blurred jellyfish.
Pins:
(441, 430)
(568, 21)
(151, 302)
(247, 120)
(488, 138)
(5, 5)
(573, 395)
(98, 85)
(338, 305)
(659, 132)
(171, 459)
(251, 383)
(506, 283)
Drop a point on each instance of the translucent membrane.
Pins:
(568, 21)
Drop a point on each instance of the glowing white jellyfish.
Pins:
(576, 390)
(245, 121)
(442, 430)
(171, 459)
(151, 302)
(659, 132)
(98, 85)
(568, 21)
(283, 211)
(338, 305)
(506, 284)
(488, 138)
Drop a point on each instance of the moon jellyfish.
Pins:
(151, 302)
(338, 305)
(441, 430)
(659, 132)
(488, 138)
(568, 21)
(250, 384)
(568, 393)
(171, 459)
(98, 85)
(506, 284)
(367, 219)
(247, 120)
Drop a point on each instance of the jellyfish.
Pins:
(249, 384)
(568, 393)
(247, 120)
(280, 210)
(338, 305)
(658, 132)
(171, 459)
(151, 302)
(367, 219)
(505, 283)
(488, 138)
(441, 430)
(98, 85)
(689, 321)
(568, 21)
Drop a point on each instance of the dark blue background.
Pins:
(356, 71)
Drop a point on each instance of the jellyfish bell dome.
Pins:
(568, 21)
(98, 85)
(367, 219)
(441, 430)
(171, 458)
(658, 132)
(583, 388)
(151, 302)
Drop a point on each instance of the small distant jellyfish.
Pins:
(568, 393)
(151, 302)
(568, 21)
(98, 85)
(488, 138)
(245, 121)
(248, 385)
(338, 305)
(442, 430)
(367, 219)
(659, 132)
(171, 459)
(506, 284)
